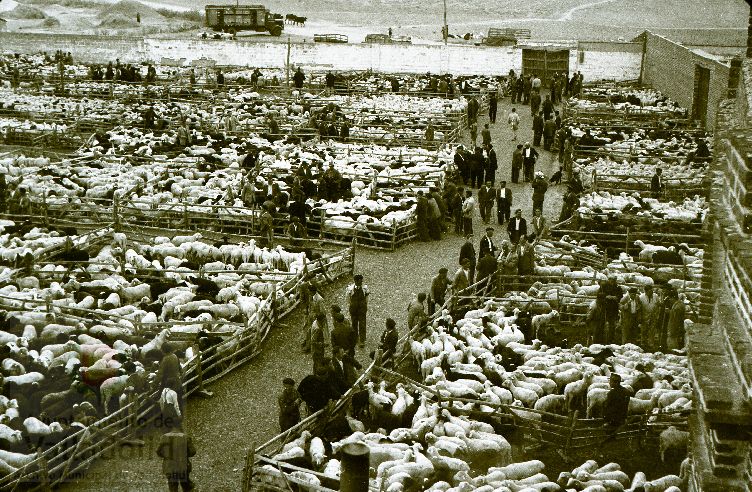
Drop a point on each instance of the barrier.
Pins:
(73, 454)
(569, 433)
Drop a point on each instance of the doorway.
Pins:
(545, 63)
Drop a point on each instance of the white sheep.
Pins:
(672, 439)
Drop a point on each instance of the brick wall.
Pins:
(618, 61)
(670, 68)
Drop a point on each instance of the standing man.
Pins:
(517, 227)
(388, 343)
(298, 78)
(549, 132)
(513, 119)
(289, 405)
(461, 277)
(357, 299)
(656, 183)
(540, 186)
(170, 374)
(456, 204)
(535, 102)
(613, 295)
(485, 201)
(629, 309)
(535, 83)
(517, 163)
(493, 107)
(675, 339)
(439, 286)
(467, 252)
(529, 157)
(485, 135)
(540, 225)
(503, 203)
(467, 213)
(648, 317)
(176, 449)
(416, 311)
(492, 164)
(548, 108)
(487, 244)
(537, 128)
(615, 407)
(525, 260)
(460, 162)
(266, 225)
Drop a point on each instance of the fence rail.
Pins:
(76, 452)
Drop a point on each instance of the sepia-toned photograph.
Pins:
(376, 246)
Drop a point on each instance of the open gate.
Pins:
(545, 62)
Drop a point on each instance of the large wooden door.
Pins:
(700, 99)
(545, 63)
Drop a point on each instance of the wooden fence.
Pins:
(74, 454)
(569, 433)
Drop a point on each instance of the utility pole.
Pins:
(287, 65)
(446, 27)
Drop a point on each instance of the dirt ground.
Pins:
(242, 413)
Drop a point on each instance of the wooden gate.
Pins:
(700, 99)
(544, 63)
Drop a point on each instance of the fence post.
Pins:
(200, 370)
(248, 468)
(186, 219)
(274, 302)
(44, 476)
(572, 426)
(352, 255)
(626, 242)
(45, 219)
(116, 212)
(321, 226)
(394, 234)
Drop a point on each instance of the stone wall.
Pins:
(614, 61)
(670, 68)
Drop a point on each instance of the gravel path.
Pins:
(243, 413)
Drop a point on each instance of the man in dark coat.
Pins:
(289, 405)
(535, 102)
(486, 268)
(343, 336)
(421, 217)
(487, 244)
(529, 157)
(517, 227)
(613, 295)
(617, 402)
(656, 183)
(467, 251)
(548, 108)
(537, 128)
(517, 163)
(492, 107)
(316, 390)
(492, 164)
(456, 205)
(176, 448)
(439, 286)
(388, 343)
(549, 132)
(298, 78)
(503, 202)
(485, 201)
(461, 164)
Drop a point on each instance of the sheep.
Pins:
(16, 460)
(595, 400)
(551, 404)
(575, 392)
(134, 292)
(10, 437)
(637, 406)
(673, 440)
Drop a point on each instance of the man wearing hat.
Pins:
(467, 252)
(289, 405)
(529, 156)
(503, 202)
(439, 286)
(485, 201)
(176, 449)
(517, 163)
(540, 185)
(487, 244)
(266, 225)
(616, 404)
(629, 309)
(357, 301)
(461, 276)
(517, 227)
(468, 205)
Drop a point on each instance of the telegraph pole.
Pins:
(446, 27)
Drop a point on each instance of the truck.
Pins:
(234, 18)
